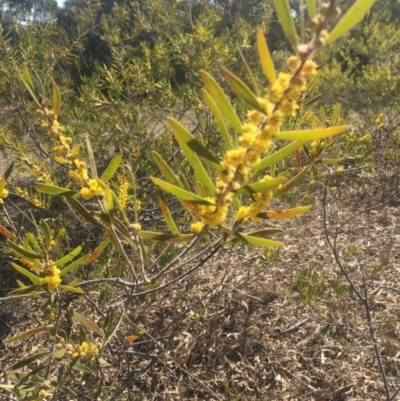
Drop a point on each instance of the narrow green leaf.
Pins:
(56, 98)
(284, 214)
(47, 233)
(311, 135)
(256, 241)
(67, 288)
(26, 79)
(74, 365)
(22, 251)
(35, 279)
(351, 18)
(73, 265)
(265, 233)
(26, 361)
(167, 214)
(179, 192)
(108, 199)
(92, 162)
(205, 155)
(97, 252)
(182, 135)
(286, 19)
(65, 259)
(261, 186)
(165, 237)
(25, 290)
(112, 168)
(67, 390)
(249, 72)
(290, 184)
(55, 191)
(241, 90)
(9, 171)
(312, 8)
(88, 323)
(265, 57)
(28, 333)
(278, 155)
(218, 118)
(312, 101)
(330, 161)
(84, 212)
(222, 101)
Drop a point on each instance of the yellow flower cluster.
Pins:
(80, 175)
(3, 195)
(123, 192)
(83, 350)
(366, 137)
(53, 279)
(261, 201)
(93, 189)
(255, 139)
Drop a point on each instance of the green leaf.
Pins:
(182, 135)
(97, 252)
(25, 290)
(311, 135)
(312, 101)
(265, 57)
(312, 8)
(222, 101)
(92, 162)
(165, 237)
(67, 390)
(88, 324)
(35, 279)
(28, 333)
(56, 98)
(278, 156)
(67, 288)
(284, 214)
(9, 171)
(22, 251)
(112, 168)
(26, 361)
(73, 265)
(55, 191)
(167, 214)
(241, 90)
(261, 186)
(108, 199)
(286, 19)
(179, 192)
(330, 161)
(65, 259)
(218, 118)
(351, 18)
(74, 365)
(84, 212)
(290, 184)
(256, 241)
(265, 233)
(26, 79)
(205, 155)
(47, 233)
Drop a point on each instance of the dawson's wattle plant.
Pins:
(218, 197)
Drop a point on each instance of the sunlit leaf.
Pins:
(351, 18)
(218, 118)
(97, 252)
(284, 214)
(92, 161)
(67, 288)
(22, 251)
(165, 237)
(265, 57)
(278, 155)
(311, 135)
(286, 19)
(68, 257)
(56, 98)
(25, 290)
(222, 101)
(265, 233)
(179, 192)
(74, 265)
(167, 214)
(330, 161)
(74, 365)
(262, 186)
(28, 333)
(35, 279)
(312, 8)
(241, 90)
(112, 168)
(256, 241)
(88, 323)
(290, 184)
(26, 79)
(182, 135)
(55, 191)
(133, 337)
